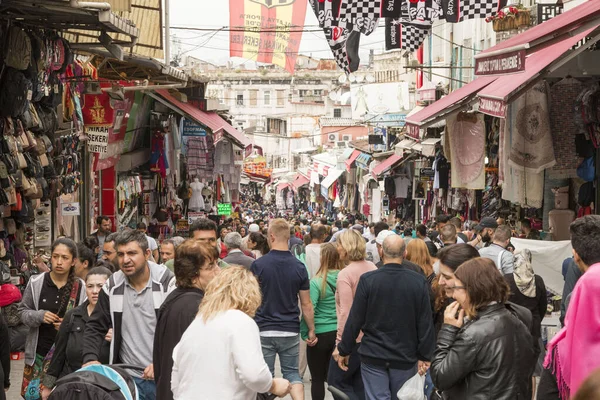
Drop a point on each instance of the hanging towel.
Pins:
(531, 147)
(466, 134)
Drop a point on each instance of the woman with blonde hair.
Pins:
(219, 355)
(418, 253)
(322, 295)
(352, 249)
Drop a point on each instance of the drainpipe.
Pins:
(88, 4)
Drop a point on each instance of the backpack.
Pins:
(99, 382)
(299, 251)
(17, 52)
(587, 169)
(586, 194)
(15, 94)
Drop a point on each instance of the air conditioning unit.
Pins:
(341, 144)
(332, 137)
(346, 138)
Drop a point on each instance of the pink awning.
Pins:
(351, 159)
(493, 98)
(282, 185)
(445, 105)
(210, 119)
(300, 181)
(564, 23)
(385, 165)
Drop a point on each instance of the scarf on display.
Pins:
(519, 185)
(531, 147)
(523, 273)
(573, 352)
(466, 134)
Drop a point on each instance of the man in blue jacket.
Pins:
(392, 308)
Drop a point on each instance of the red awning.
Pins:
(445, 105)
(300, 181)
(387, 164)
(282, 185)
(352, 158)
(210, 119)
(564, 23)
(493, 98)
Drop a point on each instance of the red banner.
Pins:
(267, 31)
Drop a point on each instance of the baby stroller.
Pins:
(97, 382)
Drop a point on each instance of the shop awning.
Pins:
(579, 17)
(333, 176)
(282, 185)
(494, 97)
(446, 105)
(211, 120)
(351, 159)
(300, 181)
(386, 165)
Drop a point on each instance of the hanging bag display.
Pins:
(15, 94)
(587, 169)
(17, 52)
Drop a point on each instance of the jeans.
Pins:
(349, 382)
(146, 388)
(383, 383)
(548, 387)
(287, 348)
(318, 362)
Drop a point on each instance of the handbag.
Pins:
(22, 160)
(44, 160)
(32, 191)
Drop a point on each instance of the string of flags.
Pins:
(407, 22)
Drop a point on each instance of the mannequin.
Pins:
(196, 201)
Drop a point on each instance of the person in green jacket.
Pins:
(322, 295)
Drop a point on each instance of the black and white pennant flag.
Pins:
(399, 35)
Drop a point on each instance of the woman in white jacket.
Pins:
(219, 355)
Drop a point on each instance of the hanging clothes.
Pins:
(466, 134)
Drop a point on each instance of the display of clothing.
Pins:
(466, 135)
(196, 201)
(402, 184)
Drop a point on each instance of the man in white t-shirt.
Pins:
(152, 245)
(318, 233)
(372, 252)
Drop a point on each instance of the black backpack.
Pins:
(586, 194)
(87, 385)
(15, 94)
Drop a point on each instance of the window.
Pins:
(280, 98)
(337, 113)
(267, 97)
(253, 97)
(239, 100)
(318, 92)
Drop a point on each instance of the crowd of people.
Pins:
(364, 307)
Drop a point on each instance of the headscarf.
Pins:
(523, 273)
(574, 353)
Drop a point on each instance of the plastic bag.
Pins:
(413, 389)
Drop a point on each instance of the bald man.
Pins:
(385, 366)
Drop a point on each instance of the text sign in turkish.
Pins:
(190, 128)
(224, 209)
(493, 107)
(97, 139)
(506, 63)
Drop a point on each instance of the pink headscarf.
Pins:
(574, 353)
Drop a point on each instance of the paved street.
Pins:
(16, 374)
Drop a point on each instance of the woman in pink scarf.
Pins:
(574, 353)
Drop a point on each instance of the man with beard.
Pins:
(109, 251)
(104, 229)
(487, 227)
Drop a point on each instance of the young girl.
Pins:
(68, 356)
(322, 294)
(47, 298)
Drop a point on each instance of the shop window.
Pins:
(337, 113)
(267, 97)
(239, 100)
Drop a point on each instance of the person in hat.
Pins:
(497, 252)
(486, 229)
(251, 228)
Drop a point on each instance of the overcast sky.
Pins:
(214, 47)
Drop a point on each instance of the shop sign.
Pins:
(427, 174)
(70, 209)
(224, 209)
(192, 216)
(393, 119)
(506, 63)
(190, 128)
(493, 107)
(182, 226)
(97, 139)
(413, 131)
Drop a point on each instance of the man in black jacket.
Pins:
(4, 357)
(392, 307)
(195, 266)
